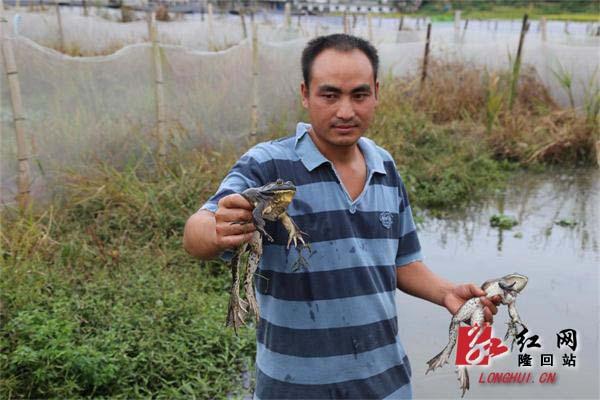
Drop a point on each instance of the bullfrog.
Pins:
(270, 203)
(507, 287)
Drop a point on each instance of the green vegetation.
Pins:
(576, 11)
(98, 298)
(502, 221)
(566, 223)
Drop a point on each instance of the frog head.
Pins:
(279, 192)
(513, 282)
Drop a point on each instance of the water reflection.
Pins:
(538, 202)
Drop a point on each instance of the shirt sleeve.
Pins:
(247, 172)
(409, 248)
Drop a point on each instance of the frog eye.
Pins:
(279, 181)
(504, 286)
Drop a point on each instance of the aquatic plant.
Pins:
(502, 221)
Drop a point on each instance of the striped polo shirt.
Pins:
(329, 330)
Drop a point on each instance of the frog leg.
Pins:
(512, 324)
(477, 319)
(259, 222)
(237, 311)
(253, 260)
(294, 233)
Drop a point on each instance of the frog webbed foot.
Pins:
(512, 332)
(295, 235)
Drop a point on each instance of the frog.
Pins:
(270, 203)
(507, 287)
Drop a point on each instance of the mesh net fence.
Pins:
(104, 107)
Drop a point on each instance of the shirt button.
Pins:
(352, 209)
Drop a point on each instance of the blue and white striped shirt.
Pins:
(330, 330)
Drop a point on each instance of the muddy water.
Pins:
(562, 264)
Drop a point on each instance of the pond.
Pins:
(556, 245)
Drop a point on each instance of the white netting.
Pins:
(105, 106)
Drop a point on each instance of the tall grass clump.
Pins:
(98, 298)
(456, 136)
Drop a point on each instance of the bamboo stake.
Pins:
(465, 30)
(243, 24)
(210, 22)
(426, 56)
(345, 22)
(288, 15)
(23, 178)
(159, 91)
(517, 64)
(370, 25)
(61, 36)
(543, 28)
(254, 122)
(457, 20)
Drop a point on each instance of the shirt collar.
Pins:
(311, 157)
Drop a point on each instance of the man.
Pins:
(330, 330)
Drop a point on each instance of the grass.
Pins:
(98, 298)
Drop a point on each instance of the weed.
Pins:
(502, 221)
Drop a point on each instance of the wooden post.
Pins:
(254, 122)
(370, 26)
(401, 24)
(210, 22)
(517, 64)
(245, 32)
(23, 178)
(543, 28)
(159, 91)
(465, 29)
(61, 36)
(426, 56)
(567, 27)
(457, 20)
(288, 15)
(85, 9)
(345, 22)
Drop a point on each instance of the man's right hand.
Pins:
(233, 222)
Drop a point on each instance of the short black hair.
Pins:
(340, 42)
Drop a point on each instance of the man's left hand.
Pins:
(459, 294)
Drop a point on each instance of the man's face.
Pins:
(342, 97)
